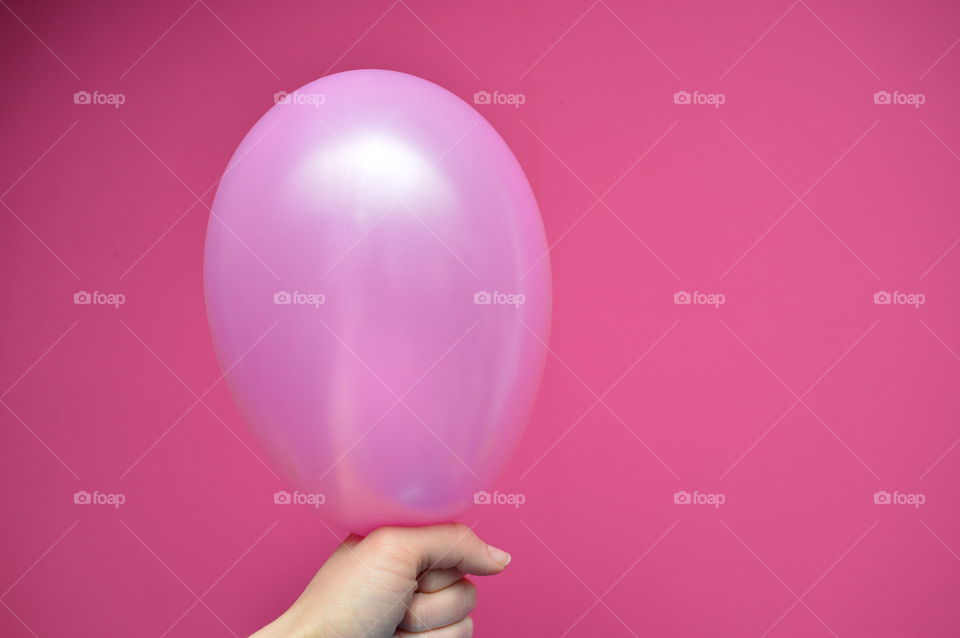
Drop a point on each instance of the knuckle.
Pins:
(460, 528)
(386, 541)
(469, 596)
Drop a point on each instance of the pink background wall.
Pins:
(796, 400)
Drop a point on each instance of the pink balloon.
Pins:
(378, 290)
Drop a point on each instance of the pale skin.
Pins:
(401, 582)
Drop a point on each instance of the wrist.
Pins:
(285, 626)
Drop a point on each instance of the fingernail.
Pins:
(499, 555)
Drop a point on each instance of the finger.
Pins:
(462, 629)
(441, 547)
(436, 579)
(439, 609)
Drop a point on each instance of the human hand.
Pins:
(394, 583)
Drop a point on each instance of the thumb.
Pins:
(445, 546)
